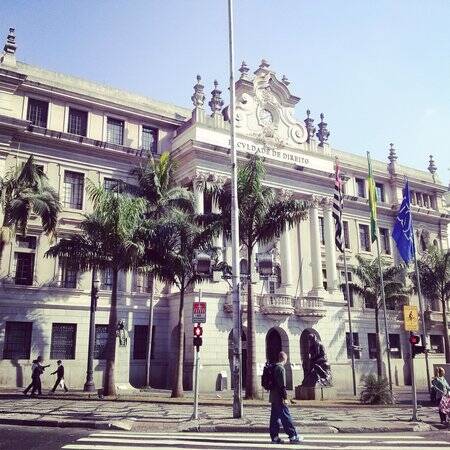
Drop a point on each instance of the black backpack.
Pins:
(268, 377)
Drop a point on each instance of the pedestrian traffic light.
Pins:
(416, 349)
(198, 341)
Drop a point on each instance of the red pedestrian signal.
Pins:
(414, 339)
(416, 349)
(198, 330)
(198, 341)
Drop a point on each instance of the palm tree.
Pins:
(156, 185)
(368, 287)
(263, 217)
(24, 191)
(434, 270)
(177, 239)
(112, 237)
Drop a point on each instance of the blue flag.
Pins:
(403, 229)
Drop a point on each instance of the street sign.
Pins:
(411, 318)
(198, 312)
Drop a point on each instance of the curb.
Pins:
(123, 425)
(252, 429)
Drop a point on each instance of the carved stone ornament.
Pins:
(392, 154)
(315, 201)
(285, 194)
(432, 166)
(10, 46)
(198, 98)
(216, 102)
(323, 134)
(310, 128)
(244, 69)
(327, 203)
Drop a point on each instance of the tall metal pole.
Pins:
(421, 309)
(150, 335)
(383, 299)
(89, 385)
(413, 387)
(352, 351)
(237, 350)
(197, 364)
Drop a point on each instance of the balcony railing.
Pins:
(310, 309)
(276, 304)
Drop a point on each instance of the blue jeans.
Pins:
(281, 411)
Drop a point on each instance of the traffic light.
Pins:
(416, 349)
(198, 341)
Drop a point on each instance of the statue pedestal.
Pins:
(315, 393)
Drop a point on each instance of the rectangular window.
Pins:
(385, 243)
(68, 274)
(413, 197)
(380, 192)
(426, 200)
(114, 131)
(324, 278)
(140, 342)
(364, 237)
(106, 279)
(24, 268)
(28, 242)
(370, 303)
(357, 353)
(37, 112)
(77, 122)
(101, 339)
(346, 234)
(150, 140)
(63, 341)
(360, 187)
(394, 344)
(112, 185)
(322, 230)
(17, 340)
(372, 343)
(350, 289)
(419, 199)
(73, 189)
(437, 343)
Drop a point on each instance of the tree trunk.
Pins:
(110, 382)
(446, 338)
(177, 387)
(251, 385)
(150, 336)
(378, 344)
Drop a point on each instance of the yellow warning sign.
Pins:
(411, 318)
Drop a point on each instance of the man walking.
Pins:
(36, 376)
(59, 377)
(278, 399)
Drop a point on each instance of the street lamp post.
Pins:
(89, 386)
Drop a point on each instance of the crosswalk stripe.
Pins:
(200, 441)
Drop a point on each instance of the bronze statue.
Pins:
(315, 367)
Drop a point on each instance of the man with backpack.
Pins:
(274, 380)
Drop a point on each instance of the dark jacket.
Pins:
(59, 371)
(278, 393)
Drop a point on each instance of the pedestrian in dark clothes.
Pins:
(280, 411)
(59, 377)
(36, 376)
(33, 366)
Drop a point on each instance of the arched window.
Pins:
(423, 244)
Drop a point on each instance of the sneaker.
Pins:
(295, 439)
(277, 440)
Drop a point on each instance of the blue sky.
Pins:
(380, 71)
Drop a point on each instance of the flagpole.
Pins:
(347, 289)
(236, 286)
(383, 298)
(375, 236)
(421, 307)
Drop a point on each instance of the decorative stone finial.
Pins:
(264, 64)
(432, 166)
(323, 134)
(392, 159)
(310, 128)
(244, 69)
(216, 102)
(392, 154)
(285, 80)
(10, 46)
(198, 99)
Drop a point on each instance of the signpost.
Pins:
(198, 317)
(411, 321)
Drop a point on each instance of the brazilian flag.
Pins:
(372, 201)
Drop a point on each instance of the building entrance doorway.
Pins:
(273, 345)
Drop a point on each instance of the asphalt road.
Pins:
(32, 438)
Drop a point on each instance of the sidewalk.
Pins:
(151, 415)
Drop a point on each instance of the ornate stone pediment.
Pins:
(265, 107)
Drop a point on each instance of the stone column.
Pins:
(330, 246)
(198, 185)
(286, 260)
(316, 258)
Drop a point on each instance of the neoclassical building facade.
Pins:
(78, 130)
